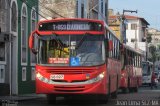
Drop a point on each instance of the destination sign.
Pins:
(70, 26)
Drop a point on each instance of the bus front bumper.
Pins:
(99, 87)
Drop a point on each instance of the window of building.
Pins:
(33, 74)
(3, 4)
(102, 6)
(2, 74)
(2, 52)
(132, 40)
(24, 34)
(133, 26)
(126, 39)
(3, 15)
(24, 78)
(126, 26)
(106, 8)
(33, 26)
(82, 11)
(14, 18)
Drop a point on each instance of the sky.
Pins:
(147, 9)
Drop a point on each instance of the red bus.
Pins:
(131, 73)
(76, 58)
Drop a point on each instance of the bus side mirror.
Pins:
(110, 45)
(32, 42)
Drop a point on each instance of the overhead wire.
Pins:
(51, 10)
(29, 6)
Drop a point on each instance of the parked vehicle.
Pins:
(147, 70)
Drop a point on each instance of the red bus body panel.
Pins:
(72, 74)
(124, 79)
(133, 75)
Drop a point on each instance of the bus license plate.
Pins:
(57, 77)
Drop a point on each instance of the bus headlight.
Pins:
(98, 78)
(38, 75)
(101, 75)
(41, 78)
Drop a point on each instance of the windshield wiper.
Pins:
(81, 41)
(47, 37)
(57, 40)
(51, 37)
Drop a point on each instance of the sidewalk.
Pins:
(21, 97)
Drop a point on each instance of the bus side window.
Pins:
(149, 67)
(106, 43)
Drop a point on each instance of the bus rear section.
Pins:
(72, 59)
(131, 71)
(147, 68)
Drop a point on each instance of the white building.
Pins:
(136, 33)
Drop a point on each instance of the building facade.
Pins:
(135, 31)
(155, 35)
(17, 19)
(115, 23)
(136, 34)
(94, 9)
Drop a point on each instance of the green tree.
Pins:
(152, 49)
(149, 38)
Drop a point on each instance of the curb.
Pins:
(19, 98)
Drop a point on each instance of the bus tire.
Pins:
(104, 100)
(109, 86)
(124, 90)
(51, 99)
(114, 94)
(136, 89)
(130, 89)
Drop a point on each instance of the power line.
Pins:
(40, 10)
(35, 10)
(41, 4)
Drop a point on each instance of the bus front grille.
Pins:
(69, 88)
(69, 71)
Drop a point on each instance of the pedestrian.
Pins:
(153, 79)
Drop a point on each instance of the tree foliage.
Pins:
(152, 49)
(149, 38)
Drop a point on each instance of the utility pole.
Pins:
(124, 25)
(129, 11)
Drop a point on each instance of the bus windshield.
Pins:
(146, 69)
(71, 50)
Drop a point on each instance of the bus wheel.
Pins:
(104, 100)
(114, 95)
(124, 90)
(51, 99)
(135, 89)
(130, 89)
